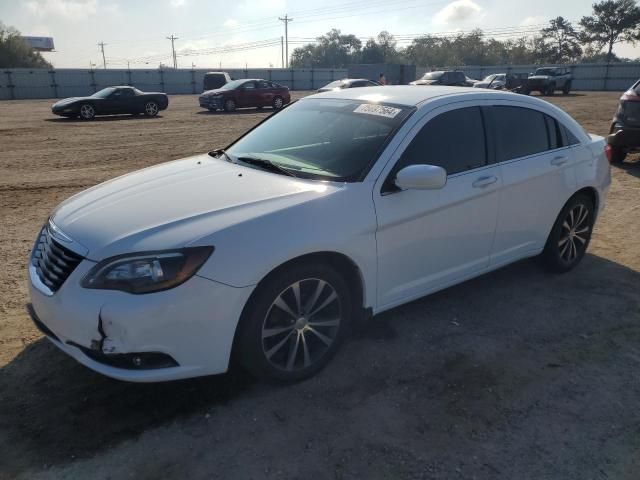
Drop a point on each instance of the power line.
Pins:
(286, 21)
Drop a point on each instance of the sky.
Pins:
(214, 33)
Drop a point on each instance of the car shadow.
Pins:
(103, 118)
(631, 167)
(54, 410)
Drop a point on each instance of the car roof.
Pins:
(407, 95)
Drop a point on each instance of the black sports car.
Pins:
(110, 101)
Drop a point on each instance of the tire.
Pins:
(230, 105)
(277, 103)
(550, 90)
(212, 109)
(618, 154)
(87, 111)
(278, 341)
(525, 91)
(570, 235)
(567, 88)
(151, 109)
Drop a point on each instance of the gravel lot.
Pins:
(515, 375)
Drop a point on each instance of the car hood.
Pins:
(486, 84)
(68, 101)
(539, 77)
(216, 91)
(175, 204)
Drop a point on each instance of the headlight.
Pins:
(146, 272)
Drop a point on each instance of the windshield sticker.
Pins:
(380, 110)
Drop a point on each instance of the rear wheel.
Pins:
(567, 88)
(295, 323)
(229, 105)
(550, 90)
(277, 103)
(151, 109)
(87, 111)
(570, 235)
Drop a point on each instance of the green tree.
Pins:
(331, 50)
(15, 53)
(613, 21)
(563, 39)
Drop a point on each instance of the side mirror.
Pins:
(421, 177)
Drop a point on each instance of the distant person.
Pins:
(382, 80)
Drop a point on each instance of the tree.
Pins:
(372, 52)
(332, 49)
(15, 53)
(613, 21)
(565, 46)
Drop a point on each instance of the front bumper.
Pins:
(193, 325)
(210, 102)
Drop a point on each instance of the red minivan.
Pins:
(247, 92)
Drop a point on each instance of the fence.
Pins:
(586, 76)
(22, 83)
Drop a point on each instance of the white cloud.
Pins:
(231, 23)
(459, 11)
(178, 3)
(535, 20)
(71, 9)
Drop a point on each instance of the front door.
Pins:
(429, 239)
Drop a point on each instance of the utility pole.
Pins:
(104, 60)
(286, 21)
(282, 50)
(173, 50)
(128, 66)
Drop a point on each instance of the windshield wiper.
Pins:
(267, 164)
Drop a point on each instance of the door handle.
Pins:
(483, 182)
(559, 160)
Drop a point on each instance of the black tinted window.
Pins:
(568, 138)
(453, 140)
(555, 139)
(519, 132)
(264, 85)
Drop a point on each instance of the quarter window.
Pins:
(519, 132)
(454, 140)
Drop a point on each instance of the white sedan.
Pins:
(343, 205)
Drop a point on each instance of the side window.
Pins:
(263, 85)
(127, 92)
(568, 138)
(454, 140)
(249, 86)
(519, 132)
(357, 84)
(555, 139)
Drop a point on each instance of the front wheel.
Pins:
(277, 103)
(550, 90)
(87, 112)
(229, 105)
(151, 109)
(570, 235)
(295, 323)
(567, 88)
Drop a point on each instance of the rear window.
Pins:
(519, 132)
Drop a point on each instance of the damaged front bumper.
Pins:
(183, 332)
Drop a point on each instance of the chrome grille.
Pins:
(53, 262)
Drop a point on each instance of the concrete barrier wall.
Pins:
(22, 83)
(586, 76)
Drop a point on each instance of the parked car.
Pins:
(348, 83)
(246, 92)
(336, 208)
(624, 134)
(213, 80)
(503, 81)
(110, 101)
(450, 78)
(549, 79)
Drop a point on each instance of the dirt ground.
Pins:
(518, 374)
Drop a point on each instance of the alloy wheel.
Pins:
(151, 109)
(277, 103)
(87, 112)
(574, 233)
(301, 325)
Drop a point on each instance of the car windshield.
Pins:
(233, 84)
(104, 93)
(336, 84)
(323, 138)
(545, 71)
(432, 75)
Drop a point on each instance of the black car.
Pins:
(547, 80)
(348, 83)
(110, 101)
(503, 81)
(453, 78)
(624, 134)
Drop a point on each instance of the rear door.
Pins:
(265, 93)
(538, 177)
(248, 95)
(428, 239)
